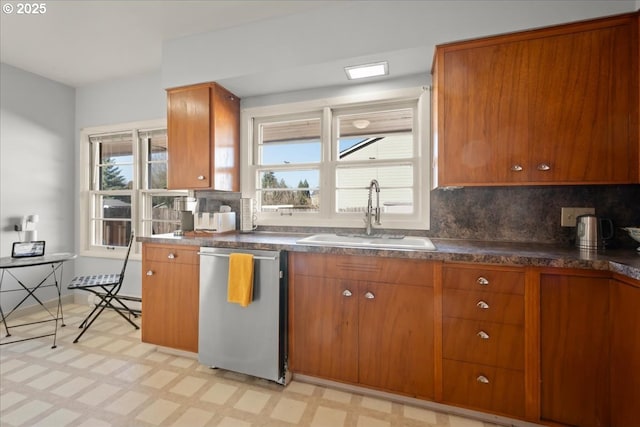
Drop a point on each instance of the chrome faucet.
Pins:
(370, 210)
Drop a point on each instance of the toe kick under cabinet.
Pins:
(483, 342)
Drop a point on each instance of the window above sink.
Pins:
(311, 165)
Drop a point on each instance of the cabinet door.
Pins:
(189, 132)
(581, 95)
(625, 354)
(574, 350)
(325, 331)
(225, 140)
(396, 338)
(481, 132)
(170, 305)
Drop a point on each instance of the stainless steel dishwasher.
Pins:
(250, 340)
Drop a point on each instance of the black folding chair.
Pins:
(106, 288)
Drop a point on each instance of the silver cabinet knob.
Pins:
(483, 305)
(171, 256)
(369, 295)
(149, 273)
(483, 335)
(346, 293)
(543, 167)
(482, 379)
(200, 177)
(482, 281)
(516, 168)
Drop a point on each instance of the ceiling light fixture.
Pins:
(361, 123)
(367, 70)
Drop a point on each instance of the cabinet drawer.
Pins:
(487, 306)
(366, 268)
(173, 254)
(472, 278)
(483, 387)
(487, 343)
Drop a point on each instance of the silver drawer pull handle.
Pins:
(171, 256)
(482, 379)
(483, 335)
(200, 177)
(544, 167)
(149, 273)
(516, 168)
(483, 305)
(369, 295)
(482, 281)
(346, 293)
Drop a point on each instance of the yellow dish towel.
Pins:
(240, 285)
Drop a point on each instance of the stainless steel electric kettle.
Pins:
(592, 232)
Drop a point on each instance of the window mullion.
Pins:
(327, 172)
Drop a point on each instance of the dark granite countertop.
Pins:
(625, 262)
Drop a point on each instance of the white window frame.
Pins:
(140, 195)
(327, 217)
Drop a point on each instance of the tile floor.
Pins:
(111, 378)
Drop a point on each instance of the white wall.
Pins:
(37, 136)
(297, 51)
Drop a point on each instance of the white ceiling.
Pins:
(82, 42)
(79, 43)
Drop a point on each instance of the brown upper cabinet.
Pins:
(557, 105)
(203, 138)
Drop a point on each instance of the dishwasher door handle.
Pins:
(268, 258)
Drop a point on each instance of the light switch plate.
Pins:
(569, 215)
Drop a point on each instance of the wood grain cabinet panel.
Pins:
(396, 338)
(471, 277)
(581, 106)
(483, 337)
(625, 353)
(325, 320)
(484, 387)
(482, 305)
(170, 297)
(172, 254)
(349, 325)
(551, 106)
(203, 129)
(487, 343)
(484, 104)
(574, 340)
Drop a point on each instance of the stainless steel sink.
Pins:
(379, 241)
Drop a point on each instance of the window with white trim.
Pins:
(315, 167)
(124, 187)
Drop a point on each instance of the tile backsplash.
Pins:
(516, 214)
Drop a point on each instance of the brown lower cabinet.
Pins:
(549, 345)
(483, 337)
(363, 320)
(170, 291)
(624, 302)
(575, 356)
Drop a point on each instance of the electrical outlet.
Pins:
(569, 215)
